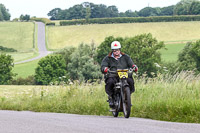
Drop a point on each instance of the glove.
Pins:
(105, 69)
(135, 68)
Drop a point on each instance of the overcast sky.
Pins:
(40, 8)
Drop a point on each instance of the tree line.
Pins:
(88, 10)
(4, 13)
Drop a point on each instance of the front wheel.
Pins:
(115, 113)
(126, 102)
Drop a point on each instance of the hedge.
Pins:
(131, 20)
(44, 20)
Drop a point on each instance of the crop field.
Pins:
(169, 32)
(173, 98)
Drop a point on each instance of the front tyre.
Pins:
(115, 113)
(127, 102)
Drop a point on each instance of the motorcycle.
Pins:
(122, 96)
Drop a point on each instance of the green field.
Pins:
(20, 36)
(173, 98)
(17, 35)
(169, 32)
(170, 54)
(25, 69)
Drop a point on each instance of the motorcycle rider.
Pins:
(113, 61)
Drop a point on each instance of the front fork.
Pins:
(123, 85)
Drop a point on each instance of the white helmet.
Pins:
(115, 45)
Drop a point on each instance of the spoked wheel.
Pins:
(117, 101)
(127, 102)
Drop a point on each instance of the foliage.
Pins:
(4, 13)
(5, 49)
(187, 7)
(143, 49)
(24, 17)
(148, 11)
(195, 53)
(189, 57)
(50, 69)
(44, 20)
(185, 59)
(85, 10)
(54, 13)
(30, 80)
(82, 65)
(6, 66)
(131, 20)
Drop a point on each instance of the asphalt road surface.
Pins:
(41, 44)
(32, 122)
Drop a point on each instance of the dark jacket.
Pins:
(124, 62)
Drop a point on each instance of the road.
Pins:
(32, 122)
(41, 44)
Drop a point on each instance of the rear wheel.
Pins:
(127, 102)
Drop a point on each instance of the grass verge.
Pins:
(170, 98)
(25, 69)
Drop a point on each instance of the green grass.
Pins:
(17, 35)
(21, 36)
(173, 98)
(169, 32)
(171, 53)
(25, 69)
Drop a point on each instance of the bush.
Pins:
(82, 65)
(44, 20)
(189, 57)
(5, 49)
(6, 65)
(30, 80)
(51, 24)
(131, 20)
(50, 69)
(143, 49)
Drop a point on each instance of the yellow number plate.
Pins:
(123, 74)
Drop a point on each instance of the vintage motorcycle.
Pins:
(122, 96)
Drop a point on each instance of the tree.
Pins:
(130, 13)
(4, 13)
(183, 7)
(82, 65)
(50, 69)
(88, 14)
(54, 14)
(195, 53)
(167, 11)
(189, 57)
(143, 49)
(6, 65)
(194, 8)
(149, 11)
(112, 11)
(24, 17)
